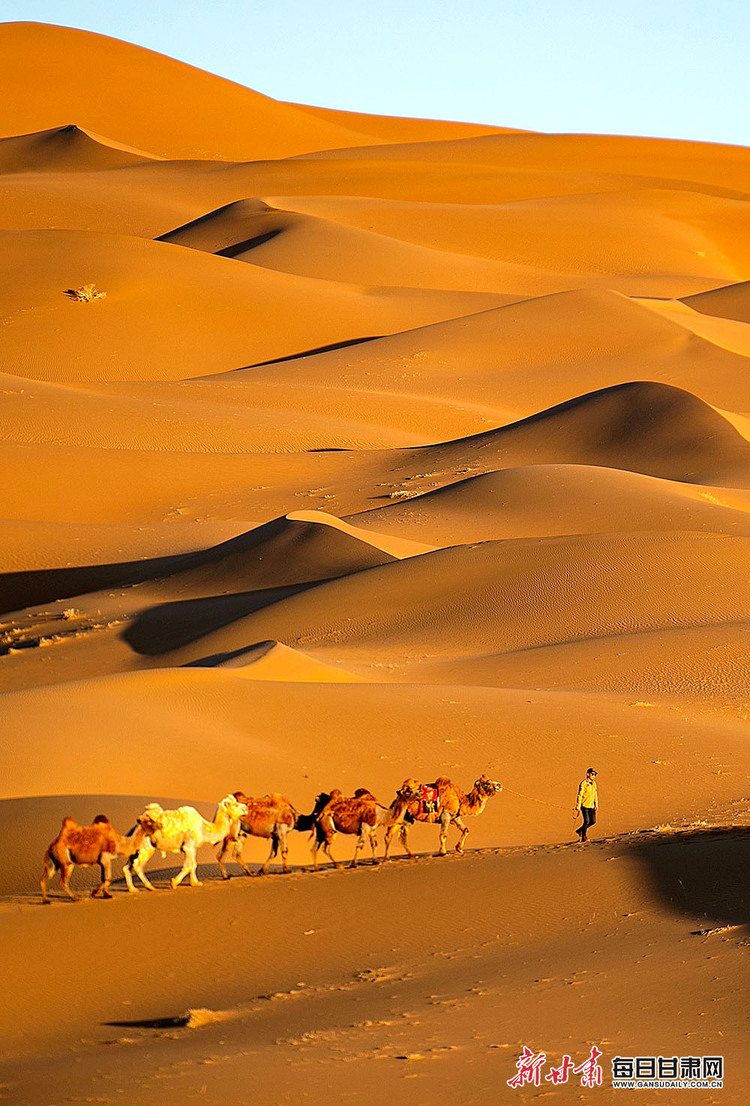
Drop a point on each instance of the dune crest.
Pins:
(270, 660)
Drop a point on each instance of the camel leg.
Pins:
(238, 856)
(271, 855)
(49, 871)
(327, 851)
(405, 843)
(373, 844)
(137, 862)
(359, 845)
(128, 876)
(445, 821)
(236, 846)
(188, 868)
(278, 840)
(66, 871)
(106, 866)
(224, 848)
(283, 841)
(387, 841)
(461, 825)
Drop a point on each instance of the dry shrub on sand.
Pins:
(85, 294)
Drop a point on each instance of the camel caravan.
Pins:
(272, 817)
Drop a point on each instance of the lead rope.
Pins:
(531, 799)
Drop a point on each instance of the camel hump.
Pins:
(241, 797)
(364, 793)
(68, 822)
(441, 782)
(101, 818)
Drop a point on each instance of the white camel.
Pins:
(182, 831)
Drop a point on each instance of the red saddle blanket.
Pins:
(428, 803)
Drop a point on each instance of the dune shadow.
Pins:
(19, 590)
(344, 344)
(213, 660)
(168, 626)
(247, 244)
(700, 872)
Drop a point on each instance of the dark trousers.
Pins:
(589, 817)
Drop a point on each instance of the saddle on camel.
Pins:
(428, 801)
(442, 803)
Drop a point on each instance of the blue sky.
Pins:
(671, 68)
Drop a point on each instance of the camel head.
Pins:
(485, 786)
(306, 822)
(149, 824)
(232, 808)
(410, 789)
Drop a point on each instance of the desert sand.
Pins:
(339, 449)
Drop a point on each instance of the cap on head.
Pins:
(591, 772)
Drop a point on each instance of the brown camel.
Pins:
(361, 815)
(449, 805)
(307, 821)
(98, 844)
(272, 816)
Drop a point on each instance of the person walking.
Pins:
(587, 803)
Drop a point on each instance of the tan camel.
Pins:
(361, 815)
(98, 844)
(272, 816)
(183, 830)
(449, 805)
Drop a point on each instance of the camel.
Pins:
(99, 844)
(361, 814)
(307, 821)
(272, 816)
(183, 830)
(450, 806)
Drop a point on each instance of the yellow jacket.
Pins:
(587, 794)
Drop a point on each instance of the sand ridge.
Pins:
(337, 449)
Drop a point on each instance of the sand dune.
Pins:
(732, 302)
(530, 354)
(68, 148)
(547, 500)
(195, 114)
(326, 249)
(145, 282)
(297, 549)
(650, 428)
(393, 447)
(268, 660)
(515, 595)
